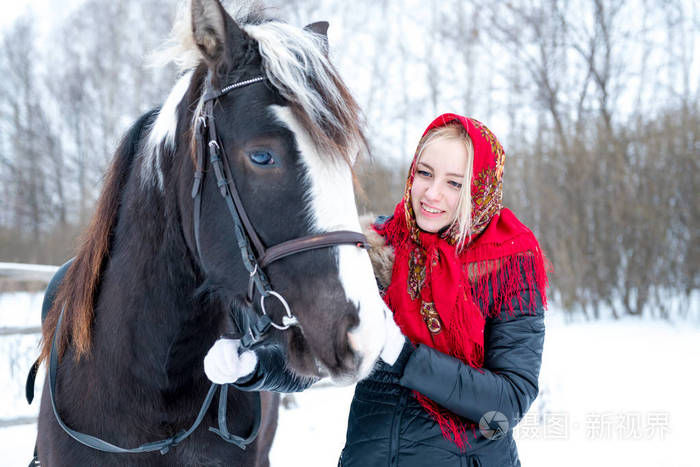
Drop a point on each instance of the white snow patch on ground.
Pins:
(17, 353)
(614, 393)
(611, 393)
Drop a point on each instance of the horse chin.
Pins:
(303, 361)
(300, 358)
(339, 377)
(344, 379)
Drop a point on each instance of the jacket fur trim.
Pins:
(381, 254)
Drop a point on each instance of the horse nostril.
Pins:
(353, 342)
(347, 344)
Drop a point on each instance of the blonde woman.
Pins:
(466, 283)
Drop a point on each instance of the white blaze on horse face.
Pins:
(162, 134)
(331, 206)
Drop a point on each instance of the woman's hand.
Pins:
(393, 341)
(226, 363)
(397, 348)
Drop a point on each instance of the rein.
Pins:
(253, 260)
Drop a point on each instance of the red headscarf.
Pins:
(439, 294)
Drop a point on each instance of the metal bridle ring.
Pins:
(287, 321)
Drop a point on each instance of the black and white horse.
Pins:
(144, 302)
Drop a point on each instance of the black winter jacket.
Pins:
(388, 428)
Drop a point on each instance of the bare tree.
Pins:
(27, 162)
(596, 102)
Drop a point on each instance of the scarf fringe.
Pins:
(453, 428)
(501, 280)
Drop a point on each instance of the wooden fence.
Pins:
(18, 272)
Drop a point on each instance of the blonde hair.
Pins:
(461, 224)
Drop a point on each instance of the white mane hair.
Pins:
(296, 63)
(294, 60)
(162, 134)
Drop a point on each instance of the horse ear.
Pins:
(212, 29)
(320, 28)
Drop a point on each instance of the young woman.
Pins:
(466, 283)
(467, 287)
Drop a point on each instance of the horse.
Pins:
(165, 259)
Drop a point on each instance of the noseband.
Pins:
(255, 257)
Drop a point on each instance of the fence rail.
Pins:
(27, 272)
(19, 330)
(7, 422)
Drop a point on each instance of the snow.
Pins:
(611, 393)
(614, 393)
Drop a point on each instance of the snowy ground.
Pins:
(611, 393)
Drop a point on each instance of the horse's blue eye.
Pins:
(261, 158)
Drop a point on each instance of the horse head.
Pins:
(289, 135)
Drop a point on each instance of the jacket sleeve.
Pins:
(272, 374)
(508, 383)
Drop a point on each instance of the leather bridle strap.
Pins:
(312, 242)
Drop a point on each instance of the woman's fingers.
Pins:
(221, 364)
(394, 341)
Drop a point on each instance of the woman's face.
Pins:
(437, 183)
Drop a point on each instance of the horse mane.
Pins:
(78, 290)
(296, 62)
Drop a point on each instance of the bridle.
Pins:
(255, 257)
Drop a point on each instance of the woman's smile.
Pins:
(430, 211)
